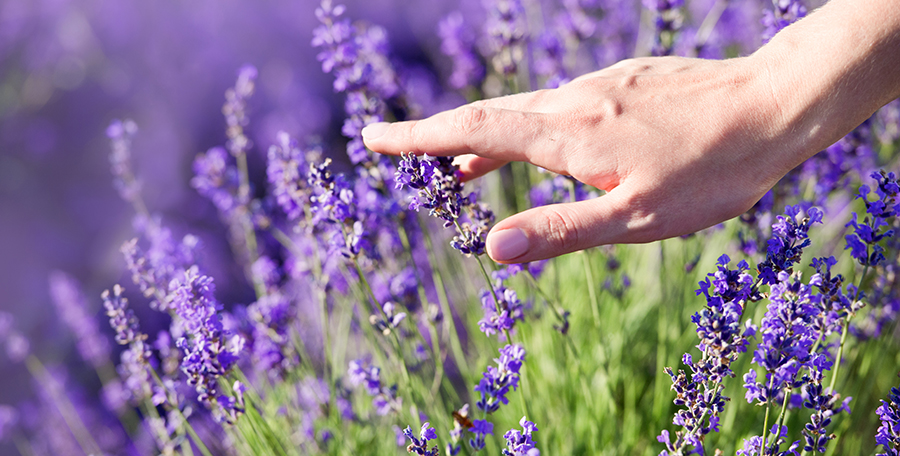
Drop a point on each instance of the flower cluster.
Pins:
(667, 21)
(438, 186)
(888, 435)
(419, 444)
(722, 339)
(789, 238)
(497, 381)
(209, 351)
(458, 43)
(875, 227)
(384, 398)
(500, 315)
(519, 443)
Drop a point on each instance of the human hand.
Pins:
(679, 145)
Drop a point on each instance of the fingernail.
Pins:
(375, 130)
(507, 244)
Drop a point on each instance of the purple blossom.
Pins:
(501, 316)
(520, 443)
(121, 134)
(507, 28)
(722, 339)
(439, 189)
(789, 238)
(888, 435)
(209, 351)
(480, 429)
(458, 43)
(384, 398)
(497, 381)
(419, 444)
(285, 168)
(667, 21)
(72, 308)
(864, 242)
(782, 14)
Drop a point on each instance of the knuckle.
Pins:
(469, 120)
(562, 231)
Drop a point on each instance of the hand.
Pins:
(679, 145)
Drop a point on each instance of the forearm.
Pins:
(831, 71)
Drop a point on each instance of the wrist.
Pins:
(830, 71)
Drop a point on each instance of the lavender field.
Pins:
(199, 256)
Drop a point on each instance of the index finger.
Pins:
(489, 132)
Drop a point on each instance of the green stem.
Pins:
(187, 424)
(845, 329)
(455, 347)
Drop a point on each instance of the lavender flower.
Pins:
(497, 381)
(888, 435)
(235, 110)
(782, 14)
(864, 241)
(500, 316)
(788, 338)
(789, 238)
(209, 351)
(419, 444)
(343, 50)
(437, 181)
(389, 320)
(121, 133)
(135, 360)
(285, 169)
(722, 339)
(667, 21)
(333, 201)
(520, 443)
(72, 308)
(507, 29)
(480, 430)
(457, 42)
(384, 398)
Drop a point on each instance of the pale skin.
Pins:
(679, 144)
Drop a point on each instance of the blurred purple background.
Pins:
(68, 67)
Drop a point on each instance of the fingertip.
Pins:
(372, 132)
(507, 245)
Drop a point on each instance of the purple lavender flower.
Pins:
(480, 429)
(668, 19)
(384, 398)
(120, 134)
(500, 317)
(135, 360)
(72, 308)
(507, 29)
(344, 50)
(235, 110)
(778, 436)
(519, 443)
(458, 43)
(437, 181)
(497, 381)
(285, 170)
(789, 238)
(389, 320)
(784, 13)
(333, 201)
(722, 339)
(888, 435)
(788, 337)
(419, 444)
(864, 241)
(209, 351)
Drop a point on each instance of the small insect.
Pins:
(462, 417)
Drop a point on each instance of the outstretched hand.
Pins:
(670, 139)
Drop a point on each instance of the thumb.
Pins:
(553, 230)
